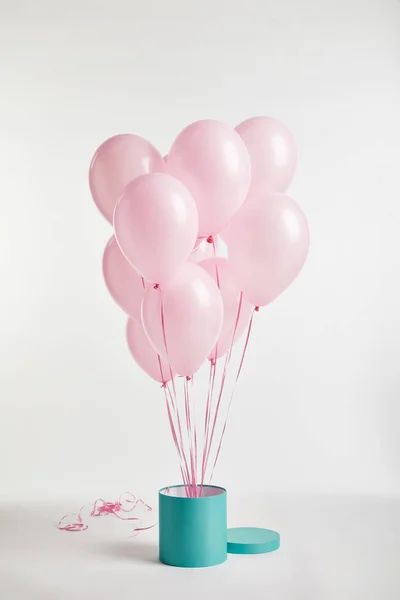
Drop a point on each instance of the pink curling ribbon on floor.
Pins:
(126, 503)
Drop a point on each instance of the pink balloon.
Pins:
(125, 284)
(144, 353)
(220, 270)
(267, 243)
(212, 161)
(155, 224)
(272, 152)
(116, 162)
(203, 250)
(192, 310)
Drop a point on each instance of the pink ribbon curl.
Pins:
(126, 503)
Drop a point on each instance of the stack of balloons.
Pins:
(186, 304)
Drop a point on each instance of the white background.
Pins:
(317, 407)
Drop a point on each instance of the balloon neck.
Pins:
(213, 362)
(188, 378)
(164, 385)
(156, 286)
(210, 239)
(256, 308)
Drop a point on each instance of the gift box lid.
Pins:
(252, 540)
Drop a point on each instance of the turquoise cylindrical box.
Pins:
(193, 531)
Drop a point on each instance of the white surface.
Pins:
(317, 407)
(322, 372)
(333, 548)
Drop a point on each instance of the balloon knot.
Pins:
(213, 362)
(156, 286)
(164, 384)
(188, 378)
(256, 308)
(210, 239)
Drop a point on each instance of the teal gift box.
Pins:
(193, 531)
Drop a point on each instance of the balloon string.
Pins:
(163, 378)
(194, 426)
(223, 379)
(216, 265)
(211, 381)
(190, 434)
(234, 388)
(175, 438)
(207, 412)
(173, 399)
(207, 418)
(192, 416)
(165, 339)
(181, 446)
(176, 410)
(174, 402)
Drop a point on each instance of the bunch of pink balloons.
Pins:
(187, 304)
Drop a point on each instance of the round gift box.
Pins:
(193, 531)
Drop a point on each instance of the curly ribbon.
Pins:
(126, 503)
(76, 525)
